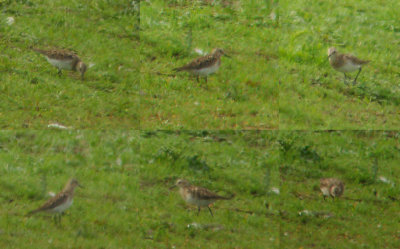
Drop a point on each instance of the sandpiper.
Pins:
(345, 62)
(63, 59)
(198, 196)
(331, 187)
(205, 65)
(59, 203)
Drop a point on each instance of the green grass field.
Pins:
(101, 32)
(128, 196)
(135, 126)
(130, 82)
(243, 94)
(127, 200)
(366, 215)
(312, 95)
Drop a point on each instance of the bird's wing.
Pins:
(355, 60)
(53, 202)
(199, 63)
(338, 182)
(207, 194)
(58, 54)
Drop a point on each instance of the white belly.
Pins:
(207, 70)
(201, 203)
(61, 64)
(348, 67)
(325, 191)
(62, 207)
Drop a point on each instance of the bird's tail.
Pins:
(178, 69)
(362, 62)
(33, 212)
(227, 197)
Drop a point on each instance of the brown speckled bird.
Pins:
(198, 196)
(63, 59)
(345, 62)
(331, 187)
(205, 65)
(59, 203)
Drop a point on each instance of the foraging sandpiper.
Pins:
(63, 59)
(345, 62)
(59, 203)
(331, 187)
(205, 65)
(198, 196)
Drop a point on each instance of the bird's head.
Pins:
(73, 183)
(331, 52)
(219, 52)
(182, 183)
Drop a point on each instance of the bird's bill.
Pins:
(227, 55)
(79, 185)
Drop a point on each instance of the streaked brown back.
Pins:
(58, 54)
(203, 193)
(328, 182)
(354, 59)
(200, 63)
(52, 203)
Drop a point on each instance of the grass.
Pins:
(365, 216)
(243, 94)
(127, 198)
(278, 77)
(312, 95)
(101, 32)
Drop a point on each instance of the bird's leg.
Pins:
(198, 210)
(59, 72)
(324, 197)
(355, 80)
(345, 78)
(210, 211)
(206, 80)
(57, 219)
(197, 78)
